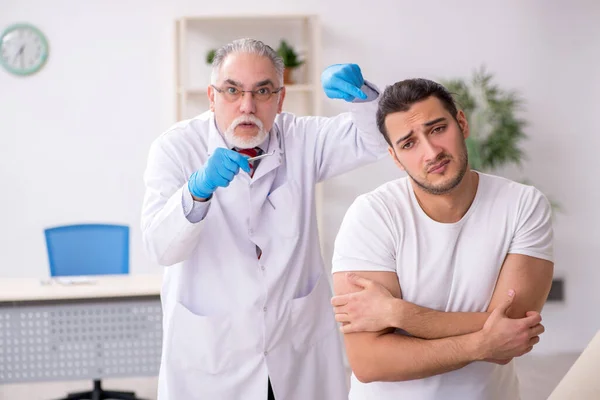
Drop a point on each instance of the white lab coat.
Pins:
(232, 320)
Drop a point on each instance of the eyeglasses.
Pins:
(231, 93)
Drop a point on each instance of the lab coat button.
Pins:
(265, 309)
(265, 353)
(262, 267)
(250, 231)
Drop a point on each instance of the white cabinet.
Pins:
(195, 36)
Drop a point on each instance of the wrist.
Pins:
(201, 199)
(396, 315)
(198, 193)
(476, 346)
(466, 347)
(409, 316)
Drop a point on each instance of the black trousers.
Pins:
(271, 396)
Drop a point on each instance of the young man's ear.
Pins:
(210, 91)
(396, 161)
(463, 123)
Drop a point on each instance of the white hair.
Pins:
(250, 46)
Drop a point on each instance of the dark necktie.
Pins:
(256, 151)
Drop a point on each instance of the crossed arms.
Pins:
(370, 307)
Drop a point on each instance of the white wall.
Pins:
(75, 136)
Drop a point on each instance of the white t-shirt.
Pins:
(446, 267)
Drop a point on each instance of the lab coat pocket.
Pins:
(202, 343)
(281, 210)
(312, 316)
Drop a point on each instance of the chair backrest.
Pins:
(88, 249)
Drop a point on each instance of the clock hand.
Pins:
(19, 53)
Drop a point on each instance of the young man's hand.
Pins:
(371, 309)
(503, 338)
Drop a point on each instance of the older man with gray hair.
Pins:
(245, 298)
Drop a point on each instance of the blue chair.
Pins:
(88, 249)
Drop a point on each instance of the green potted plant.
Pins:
(291, 60)
(496, 129)
(210, 55)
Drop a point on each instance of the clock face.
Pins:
(23, 49)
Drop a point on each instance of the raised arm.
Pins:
(175, 204)
(341, 143)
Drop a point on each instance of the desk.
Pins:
(107, 327)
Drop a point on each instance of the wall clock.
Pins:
(23, 49)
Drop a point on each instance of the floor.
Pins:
(539, 374)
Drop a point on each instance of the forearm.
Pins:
(426, 323)
(347, 141)
(168, 236)
(393, 357)
(363, 114)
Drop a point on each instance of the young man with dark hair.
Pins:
(450, 266)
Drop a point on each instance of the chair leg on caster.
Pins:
(100, 394)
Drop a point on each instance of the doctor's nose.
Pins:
(248, 104)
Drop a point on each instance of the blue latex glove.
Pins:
(219, 170)
(343, 81)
